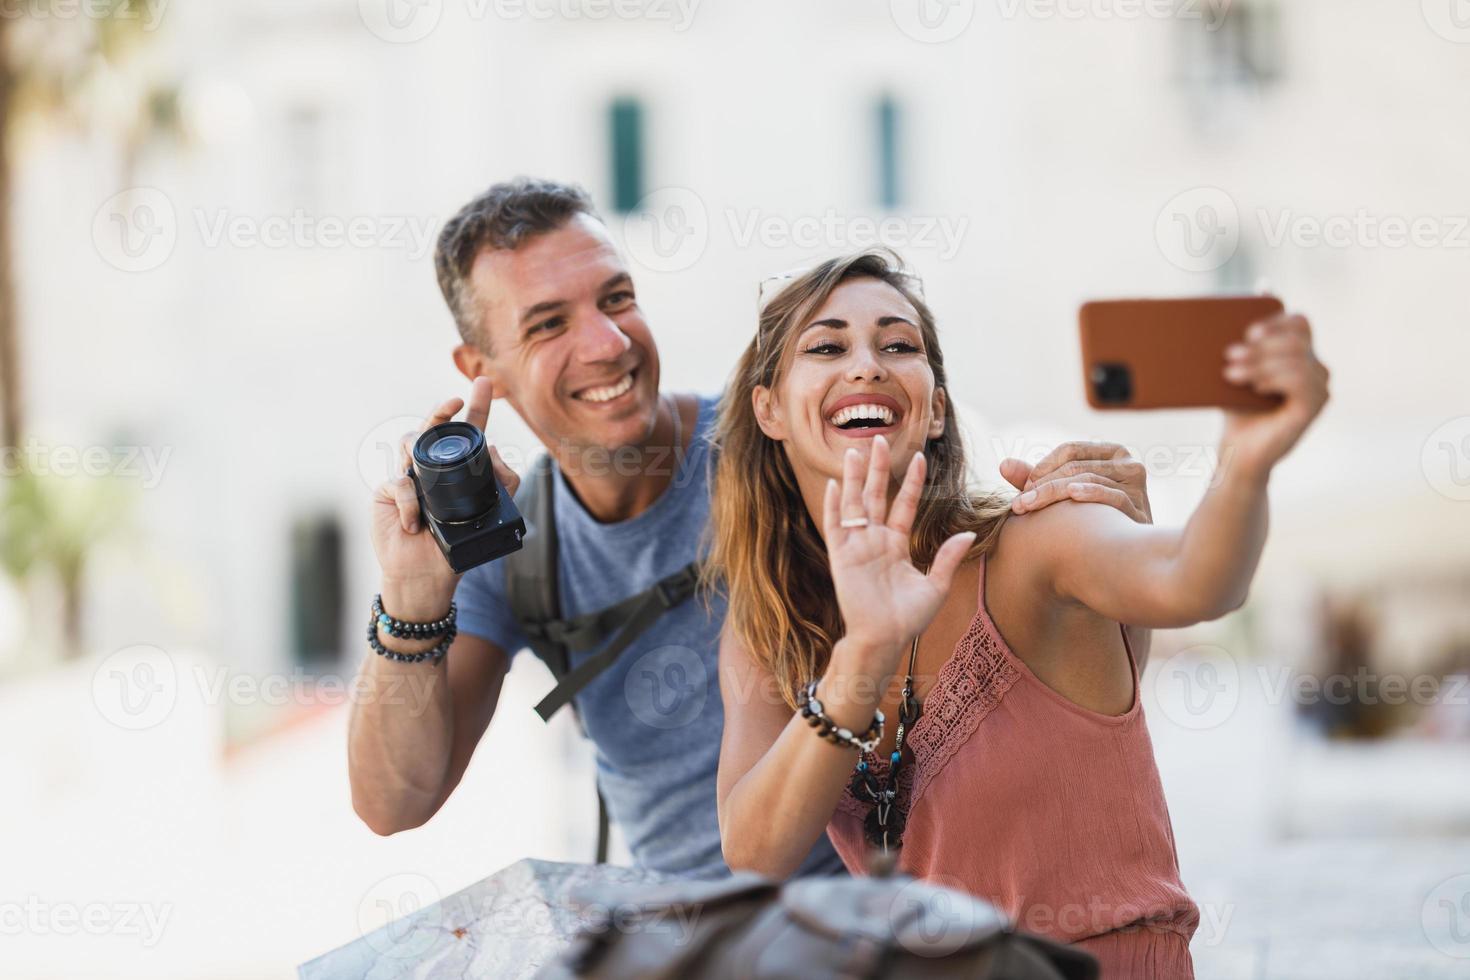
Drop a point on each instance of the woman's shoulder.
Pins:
(1032, 548)
(1053, 525)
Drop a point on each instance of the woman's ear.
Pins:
(763, 401)
(940, 414)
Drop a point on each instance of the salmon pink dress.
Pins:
(1052, 812)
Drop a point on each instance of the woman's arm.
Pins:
(779, 782)
(1167, 578)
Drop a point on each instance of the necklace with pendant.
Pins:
(884, 825)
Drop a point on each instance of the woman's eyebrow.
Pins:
(836, 324)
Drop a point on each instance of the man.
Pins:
(550, 322)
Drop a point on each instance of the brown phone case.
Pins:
(1168, 353)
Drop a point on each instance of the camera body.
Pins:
(472, 518)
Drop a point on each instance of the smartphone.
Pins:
(1168, 353)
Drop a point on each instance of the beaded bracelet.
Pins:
(433, 654)
(816, 716)
(404, 630)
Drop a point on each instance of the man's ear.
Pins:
(473, 362)
(762, 399)
(940, 414)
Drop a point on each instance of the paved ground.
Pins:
(1312, 859)
(1309, 861)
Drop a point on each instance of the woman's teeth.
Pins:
(608, 393)
(881, 413)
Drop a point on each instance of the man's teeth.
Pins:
(608, 393)
(843, 416)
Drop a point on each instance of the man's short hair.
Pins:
(503, 217)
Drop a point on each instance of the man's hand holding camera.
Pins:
(418, 582)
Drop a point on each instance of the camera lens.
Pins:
(452, 464)
(449, 449)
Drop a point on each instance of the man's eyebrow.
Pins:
(531, 312)
(621, 279)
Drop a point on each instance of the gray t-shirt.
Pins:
(655, 715)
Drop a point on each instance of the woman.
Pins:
(1027, 776)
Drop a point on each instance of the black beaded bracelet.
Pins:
(434, 654)
(405, 630)
(816, 716)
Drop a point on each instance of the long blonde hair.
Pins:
(765, 550)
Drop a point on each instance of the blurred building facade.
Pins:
(270, 323)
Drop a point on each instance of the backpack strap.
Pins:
(531, 583)
(532, 591)
(632, 617)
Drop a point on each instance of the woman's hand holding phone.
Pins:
(1276, 358)
(885, 601)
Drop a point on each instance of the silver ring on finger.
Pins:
(855, 522)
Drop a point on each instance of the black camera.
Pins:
(466, 509)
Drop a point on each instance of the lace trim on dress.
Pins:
(969, 686)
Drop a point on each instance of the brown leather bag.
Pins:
(747, 926)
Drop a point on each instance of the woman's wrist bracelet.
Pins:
(405, 630)
(816, 717)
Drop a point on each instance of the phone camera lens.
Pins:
(1112, 383)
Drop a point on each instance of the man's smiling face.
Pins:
(567, 344)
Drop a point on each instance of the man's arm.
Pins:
(414, 728)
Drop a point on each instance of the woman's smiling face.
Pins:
(857, 368)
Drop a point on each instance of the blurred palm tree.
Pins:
(49, 524)
(81, 65)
